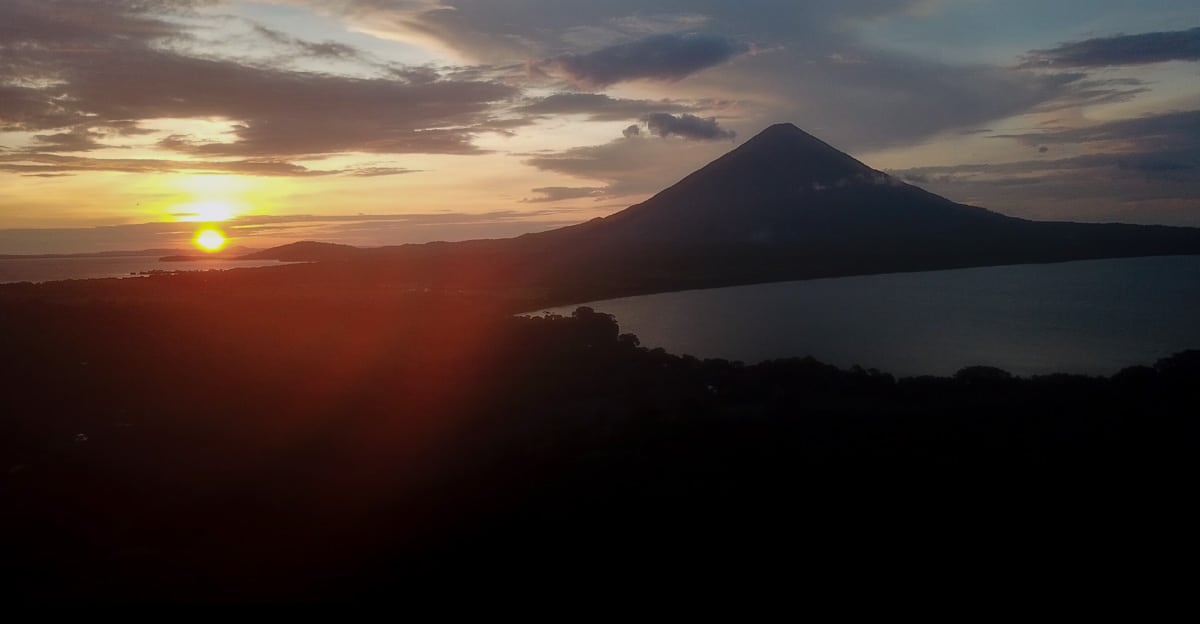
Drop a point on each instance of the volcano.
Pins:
(783, 206)
(785, 186)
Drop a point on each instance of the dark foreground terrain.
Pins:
(206, 438)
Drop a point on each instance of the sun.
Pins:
(210, 240)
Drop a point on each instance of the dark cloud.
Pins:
(126, 127)
(1167, 143)
(34, 163)
(1152, 162)
(632, 131)
(560, 193)
(1165, 131)
(323, 49)
(842, 102)
(1104, 188)
(91, 78)
(794, 77)
(598, 107)
(665, 57)
(81, 24)
(33, 109)
(1141, 49)
(687, 127)
(631, 165)
(1080, 91)
(285, 113)
(487, 30)
(79, 139)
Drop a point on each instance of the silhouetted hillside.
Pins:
(223, 446)
(304, 251)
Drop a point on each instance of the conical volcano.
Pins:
(786, 205)
(785, 185)
(782, 206)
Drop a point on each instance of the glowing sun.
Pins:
(210, 240)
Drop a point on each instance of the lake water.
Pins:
(1091, 317)
(51, 269)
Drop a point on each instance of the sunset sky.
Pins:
(124, 124)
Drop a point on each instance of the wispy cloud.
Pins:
(41, 164)
(1139, 49)
(599, 107)
(1151, 161)
(665, 57)
(631, 165)
(548, 194)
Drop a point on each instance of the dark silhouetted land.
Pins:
(380, 426)
(215, 443)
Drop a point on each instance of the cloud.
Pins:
(1161, 132)
(665, 57)
(686, 126)
(560, 193)
(630, 166)
(517, 30)
(42, 164)
(322, 50)
(79, 139)
(922, 98)
(598, 107)
(792, 78)
(1166, 143)
(76, 74)
(81, 23)
(375, 172)
(1151, 161)
(60, 71)
(1140, 49)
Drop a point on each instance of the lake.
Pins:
(51, 269)
(1090, 317)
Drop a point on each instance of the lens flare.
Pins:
(210, 240)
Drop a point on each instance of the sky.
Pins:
(127, 124)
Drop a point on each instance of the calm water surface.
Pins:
(51, 269)
(1092, 317)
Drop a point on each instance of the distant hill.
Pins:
(304, 251)
(94, 254)
(782, 206)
